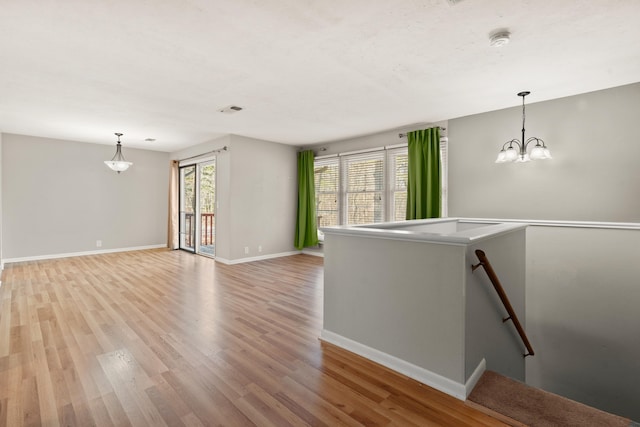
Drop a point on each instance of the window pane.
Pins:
(365, 175)
(327, 209)
(365, 208)
(401, 172)
(400, 206)
(399, 176)
(327, 181)
(326, 177)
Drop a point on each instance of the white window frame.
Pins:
(391, 156)
(330, 161)
(343, 172)
(389, 175)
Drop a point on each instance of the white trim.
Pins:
(422, 375)
(560, 223)
(306, 251)
(394, 146)
(202, 157)
(84, 253)
(256, 258)
(365, 151)
(475, 377)
(397, 231)
(328, 156)
(205, 158)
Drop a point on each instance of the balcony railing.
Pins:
(207, 230)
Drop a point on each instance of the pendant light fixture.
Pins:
(516, 150)
(118, 163)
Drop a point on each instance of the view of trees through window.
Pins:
(365, 189)
(205, 173)
(189, 191)
(361, 188)
(400, 168)
(327, 183)
(207, 188)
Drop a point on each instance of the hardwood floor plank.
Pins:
(328, 413)
(5, 324)
(115, 410)
(30, 402)
(159, 337)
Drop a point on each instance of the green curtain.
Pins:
(306, 227)
(423, 187)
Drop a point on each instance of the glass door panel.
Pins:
(188, 207)
(207, 208)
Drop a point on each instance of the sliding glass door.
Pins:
(187, 207)
(207, 198)
(197, 207)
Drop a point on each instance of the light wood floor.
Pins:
(168, 338)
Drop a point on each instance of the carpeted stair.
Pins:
(518, 404)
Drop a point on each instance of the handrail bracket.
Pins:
(478, 265)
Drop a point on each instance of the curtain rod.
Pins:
(364, 151)
(219, 150)
(402, 135)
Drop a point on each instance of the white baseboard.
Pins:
(422, 375)
(313, 253)
(84, 253)
(473, 379)
(256, 258)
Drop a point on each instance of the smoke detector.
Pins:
(230, 109)
(499, 39)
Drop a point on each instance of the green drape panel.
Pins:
(423, 187)
(306, 227)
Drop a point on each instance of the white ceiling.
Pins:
(305, 71)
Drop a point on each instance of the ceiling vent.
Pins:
(230, 109)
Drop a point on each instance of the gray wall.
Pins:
(264, 197)
(583, 317)
(592, 177)
(414, 305)
(582, 292)
(1, 253)
(59, 197)
(257, 195)
(1, 256)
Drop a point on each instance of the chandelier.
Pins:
(118, 163)
(516, 150)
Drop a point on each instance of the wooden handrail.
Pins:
(484, 262)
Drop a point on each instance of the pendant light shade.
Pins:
(118, 163)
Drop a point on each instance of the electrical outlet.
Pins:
(246, 250)
(98, 243)
(259, 248)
